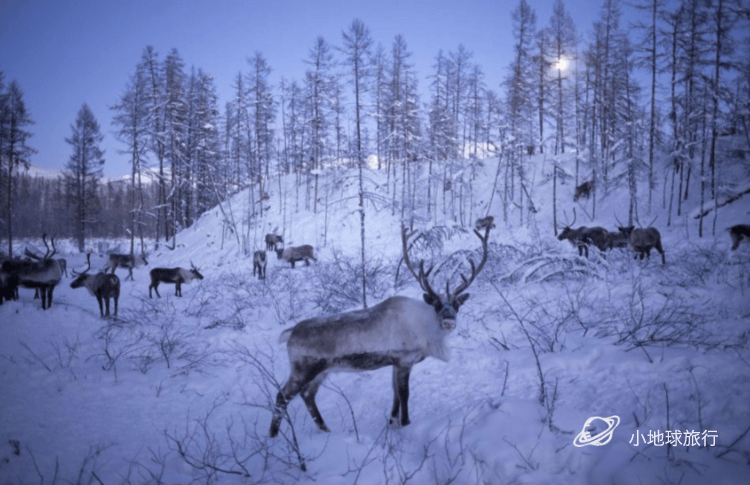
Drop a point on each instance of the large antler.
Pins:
(88, 262)
(48, 255)
(474, 269)
(422, 276)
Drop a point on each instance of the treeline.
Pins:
(42, 205)
(640, 105)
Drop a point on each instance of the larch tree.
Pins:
(83, 171)
(132, 129)
(14, 122)
(357, 43)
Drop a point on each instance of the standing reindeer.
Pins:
(42, 275)
(739, 233)
(583, 236)
(101, 285)
(259, 264)
(643, 240)
(272, 240)
(583, 190)
(178, 276)
(399, 332)
(297, 253)
(128, 261)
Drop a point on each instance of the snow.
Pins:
(180, 390)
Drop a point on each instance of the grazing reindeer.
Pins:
(8, 282)
(128, 261)
(484, 222)
(583, 236)
(739, 233)
(259, 264)
(42, 275)
(178, 276)
(272, 240)
(583, 190)
(101, 285)
(643, 240)
(297, 253)
(399, 332)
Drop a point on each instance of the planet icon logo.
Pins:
(602, 429)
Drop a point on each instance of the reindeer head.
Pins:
(446, 306)
(194, 271)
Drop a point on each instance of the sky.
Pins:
(67, 53)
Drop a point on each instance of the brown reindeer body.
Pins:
(738, 233)
(259, 264)
(272, 240)
(178, 276)
(583, 190)
(297, 253)
(642, 241)
(42, 275)
(128, 261)
(104, 286)
(583, 236)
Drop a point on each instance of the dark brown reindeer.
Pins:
(484, 222)
(642, 241)
(259, 264)
(128, 261)
(583, 190)
(178, 276)
(42, 275)
(101, 285)
(272, 240)
(399, 332)
(583, 236)
(297, 253)
(738, 233)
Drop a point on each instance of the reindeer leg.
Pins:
(101, 309)
(401, 375)
(396, 400)
(308, 395)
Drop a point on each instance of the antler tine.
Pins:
(405, 237)
(54, 249)
(44, 240)
(575, 216)
(422, 276)
(475, 270)
(88, 266)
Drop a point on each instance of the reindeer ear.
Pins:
(461, 299)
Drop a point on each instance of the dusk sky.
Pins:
(66, 53)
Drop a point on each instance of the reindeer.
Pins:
(738, 233)
(643, 240)
(484, 222)
(259, 264)
(297, 253)
(583, 236)
(272, 240)
(101, 285)
(583, 190)
(178, 276)
(42, 275)
(128, 261)
(399, 332)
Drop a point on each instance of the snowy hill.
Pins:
(181, 390)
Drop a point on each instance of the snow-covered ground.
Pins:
(180, 390)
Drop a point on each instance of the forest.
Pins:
(644, 102)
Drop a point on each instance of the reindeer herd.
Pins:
(398, 332)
